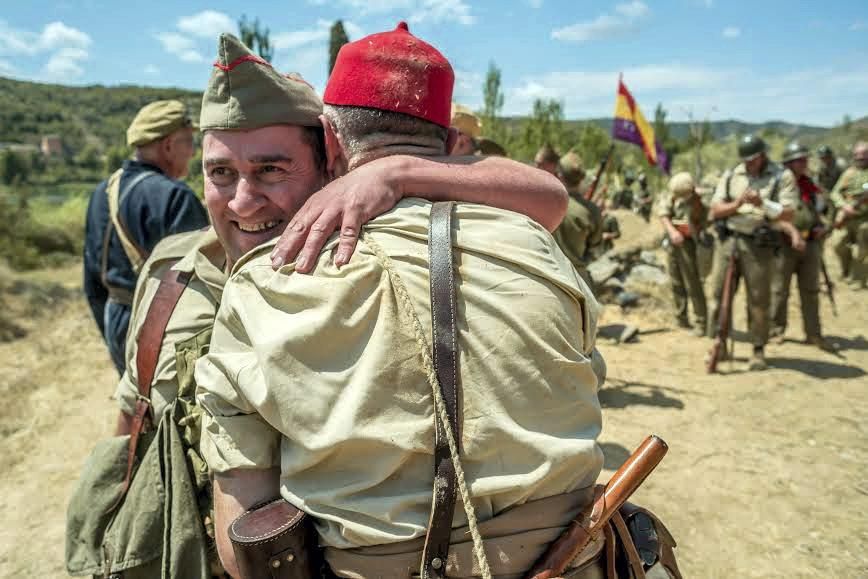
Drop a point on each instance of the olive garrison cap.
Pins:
(571, 169)
(157, 120)
(465, 121)
(245, 92)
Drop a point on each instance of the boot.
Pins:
(821, 342)
(757, 360)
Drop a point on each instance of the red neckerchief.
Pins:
(807, 188)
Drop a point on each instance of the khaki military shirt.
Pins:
(581, 229)
(682, 211)
(202, 255)
(322, 374)
(827, 177)
(850, 185)
(749, 218)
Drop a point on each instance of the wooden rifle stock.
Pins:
(592, 521)
(725, 316)
(589, 194)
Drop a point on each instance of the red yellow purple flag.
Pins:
(630, 125)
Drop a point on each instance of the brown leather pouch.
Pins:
(638, 545)
(276, 540)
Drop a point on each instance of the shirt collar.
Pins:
(207, 262)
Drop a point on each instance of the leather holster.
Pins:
(276, 540)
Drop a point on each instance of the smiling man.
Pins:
(263, 160)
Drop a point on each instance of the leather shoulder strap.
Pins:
(172, 285)
(136, 254)
(436, 549)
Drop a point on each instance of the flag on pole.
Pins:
(630, 125)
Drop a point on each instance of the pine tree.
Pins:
(337, 38)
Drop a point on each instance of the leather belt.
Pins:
(436, 550)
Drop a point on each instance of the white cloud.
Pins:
(438, 11)
(151, 69)
(733, 92)
(417, 11)
(534, 3)
(731, 32)
(296, 38)
(207, 24)
(468, 88)
(6, 69)
(65, 46)
(180, 46)
(65, 64)
(623, 19)
(859, 25)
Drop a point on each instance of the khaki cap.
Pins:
(245, 92)
(157, 120)
(546, 154)
(466, 121)
(681, 184)
(571, 168)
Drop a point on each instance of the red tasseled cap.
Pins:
(393, 71)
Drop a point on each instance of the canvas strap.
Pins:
(149, 342)
(136, 254)
(436, 549)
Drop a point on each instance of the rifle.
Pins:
(725, 315)
(589, 194)
(830, 287)
(594, 519)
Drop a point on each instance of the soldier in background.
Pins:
(806, 264)
(683, 217)
(134, 209)
(829, 171)
(547, 159)
(850, 198)
(469, 128)
(623, 198)
(750, 216)
(581, 229)
(611, 229)
(644, 199)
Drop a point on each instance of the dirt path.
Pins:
(767, 474)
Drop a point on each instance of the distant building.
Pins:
(51, 146)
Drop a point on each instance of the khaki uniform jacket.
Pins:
(749, 218)
(683, 211)
(849, 185)
(322, 374)
(198, 252)
(581, 229)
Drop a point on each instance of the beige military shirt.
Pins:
(581, 230)
(322, 374)
(848, 186)
(202, 255)
(749, 218)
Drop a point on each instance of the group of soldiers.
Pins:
(373, 325)
(765, 221)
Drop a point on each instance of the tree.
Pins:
(14, 168)
(592, 144)
(256, 38)
(115, 157)
(846, 123)
(337, 38)
(492, 101)
(546, 125)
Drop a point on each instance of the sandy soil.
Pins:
(767, 475)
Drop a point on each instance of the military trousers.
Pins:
(806, 267)
(854, 233)
(686, 283)
(753, 264)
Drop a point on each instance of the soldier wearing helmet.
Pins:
(829, 172)
(805, 265)
(850, 199)
(582, 228)
(751, 205)
(683, 216)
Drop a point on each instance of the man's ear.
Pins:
(336, 164)
(451, 139)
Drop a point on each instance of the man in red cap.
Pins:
(319, 388)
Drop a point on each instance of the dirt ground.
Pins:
(767, 474)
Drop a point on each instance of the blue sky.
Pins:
(752, 60)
